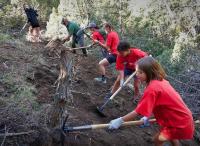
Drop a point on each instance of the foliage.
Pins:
(4, 37)
(8, 19)
(21, 90)
(45, 7)
(168, 30)
(164, 28)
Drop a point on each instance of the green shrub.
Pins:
(4, 37)
(8, 20)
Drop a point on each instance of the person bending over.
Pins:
(161, 99)
(34, 29)
(125, 65)
(77, 38)
(98, 35)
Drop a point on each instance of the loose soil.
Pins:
(87, 94)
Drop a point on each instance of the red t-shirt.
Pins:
(165, 103)
(130, 60)
(98, 36)
(112, 41)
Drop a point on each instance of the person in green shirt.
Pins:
(77, 38)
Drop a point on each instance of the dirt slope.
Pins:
(88, 94)
(41, 71)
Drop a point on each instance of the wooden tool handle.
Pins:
(129, 78)
(71, 49)
(119, 89)
(103, 126)
(130, 123)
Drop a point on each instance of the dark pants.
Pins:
(34, 23)
(104, 52)
(111, 58)
(80, 41)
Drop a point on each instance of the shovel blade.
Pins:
(100, 111)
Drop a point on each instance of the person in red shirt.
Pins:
(97, 35)
(161, 99)
(111, 44)
(125, 65)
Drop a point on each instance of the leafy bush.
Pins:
(4, 37)
(8, 20)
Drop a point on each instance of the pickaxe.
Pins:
(100, 109)
(103, 126)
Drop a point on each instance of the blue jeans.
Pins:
(80, 41)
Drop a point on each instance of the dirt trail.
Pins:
(43, 71)
(87, 95)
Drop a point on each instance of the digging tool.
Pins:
(67, 48)
(100, 109)
(23, 27)
(85, 47)
(102, 126)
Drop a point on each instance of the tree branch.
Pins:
(16, 134)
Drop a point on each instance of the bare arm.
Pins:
(67, 38)
(130, 116)
(121, 74)
(103, 45)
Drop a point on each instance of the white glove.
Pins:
(121, 82)
(146, 121)
(116, 123)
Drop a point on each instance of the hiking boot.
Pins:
(85, 55)
(85, 52)
(100, 79)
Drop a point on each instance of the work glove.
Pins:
(115, 124)
(121, 82)
(145, 122)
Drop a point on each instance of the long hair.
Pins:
(151, 68)
(108, 25)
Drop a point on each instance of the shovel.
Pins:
(102, 126)
(100, 109)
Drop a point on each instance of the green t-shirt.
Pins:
(72, 28)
